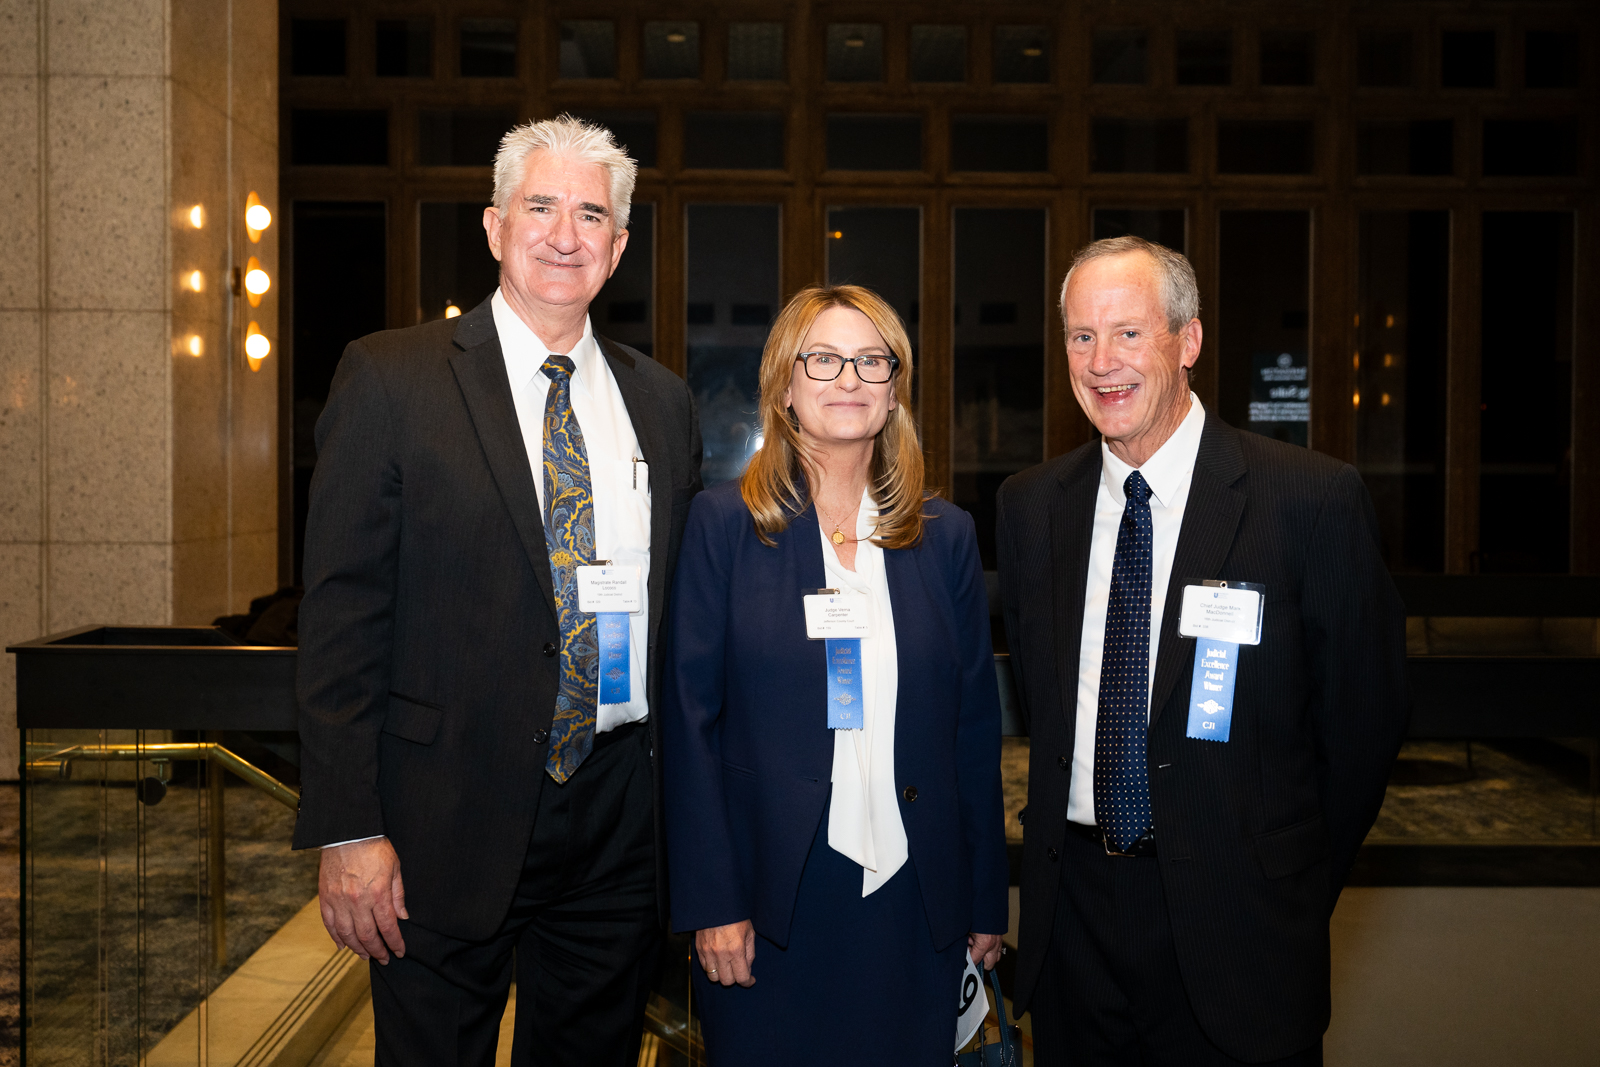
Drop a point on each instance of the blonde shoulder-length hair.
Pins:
(775, 484)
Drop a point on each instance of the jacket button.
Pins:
(1051, 854)
(540, 737)
(910, 792)
(1064, 763)
(550, 649)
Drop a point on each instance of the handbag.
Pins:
(1008, 1053)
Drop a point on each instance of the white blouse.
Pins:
(864, 819)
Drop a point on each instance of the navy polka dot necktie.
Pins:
(1121, 777)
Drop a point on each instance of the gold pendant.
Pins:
(838, 538)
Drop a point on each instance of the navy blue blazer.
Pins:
(748, 756)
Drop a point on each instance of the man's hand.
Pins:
(984, 949)
(726, 952)
(361, 895)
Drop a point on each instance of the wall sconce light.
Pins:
(451, 311)
(194, 345)
(256, 346)
(197, 216)
(195, 281)
(256, 281)
(256, 217)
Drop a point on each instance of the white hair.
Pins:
(571, 138)
(1180, 295)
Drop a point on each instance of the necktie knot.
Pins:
(1136, 488)
(559, 368)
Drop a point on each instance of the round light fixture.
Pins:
(197, 216)
(451, 311)
(196, 281)
(256, 216)
(256, 345)
(256, 281)
(195, 345)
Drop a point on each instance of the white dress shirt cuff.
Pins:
(352, 841)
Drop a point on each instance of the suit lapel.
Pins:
(652, 449)
(1210, 520)
(480, 370)
(1071, 530)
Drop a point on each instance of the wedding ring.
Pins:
(712, 972)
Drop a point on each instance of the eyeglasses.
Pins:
(826, 366)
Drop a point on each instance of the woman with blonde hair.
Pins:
(831, 729)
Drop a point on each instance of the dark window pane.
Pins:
(1204, 57)
(875, 142)
(488, 48)
(1419, 147)
(1466, 59)
(1140, 146)
(1288, 57)
(999, 143)
(1164, 226)
(1250, 146)
(1551, 59)
(1383, 58)
(734, 140)
(755, 51)
(339, 138)
(455, 267)
(588, 48)
(467, 138)
(1021, 55)
(1526, 448)
(1400, 379)
(316, 47)
(1120, 57)
(855, 52)
(341, 292)
(405, 48)
(624, 309)
(938, 53)
(733, 258)
(1264, 374)
(998, 386)
(1530, 147)
(880, 248)
(672, 50)
(635, 131)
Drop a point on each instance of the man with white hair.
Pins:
(496, 510)
(1211, 656)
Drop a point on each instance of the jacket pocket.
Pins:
(1293, 848)
(412, 719)
(734, 768)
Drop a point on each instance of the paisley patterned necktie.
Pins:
(569, 538)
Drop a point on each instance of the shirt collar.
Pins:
(525, 353)
(1166, 472)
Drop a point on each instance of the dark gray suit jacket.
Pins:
(1256, 835)
(425, 690)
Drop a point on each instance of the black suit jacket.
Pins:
(1256, 835)
(425, 694)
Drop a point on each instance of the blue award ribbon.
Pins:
(1216, 668)
(844, 684)
(616, 669)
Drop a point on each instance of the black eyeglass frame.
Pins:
(894, 366)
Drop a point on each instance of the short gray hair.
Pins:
(573, 139)
(1180, 295)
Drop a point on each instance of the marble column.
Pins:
(137, 478)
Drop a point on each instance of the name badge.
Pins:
(831, 614)
(1222, 611)
(609, 589)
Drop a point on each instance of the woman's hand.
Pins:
(726, 952)
(985, 949)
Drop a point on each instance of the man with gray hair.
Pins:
(496, 510)
(1211, 657)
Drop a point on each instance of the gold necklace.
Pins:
(837, 537)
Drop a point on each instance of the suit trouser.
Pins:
(582, 937)
(1110, 991)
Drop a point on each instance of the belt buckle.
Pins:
(1105, 843)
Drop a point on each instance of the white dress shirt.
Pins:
(619, 477)
(1168, 473)
(864, 817)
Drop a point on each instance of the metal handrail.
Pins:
(58, 764)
